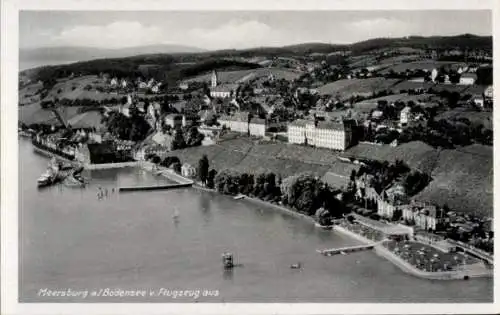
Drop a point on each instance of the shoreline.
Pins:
(379, 249)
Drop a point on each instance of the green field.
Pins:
(346, 88)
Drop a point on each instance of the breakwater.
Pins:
(347, 249)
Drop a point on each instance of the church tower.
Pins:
(214, 79)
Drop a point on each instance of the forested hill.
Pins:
(465, 41)
(182, 65)
(161, 67)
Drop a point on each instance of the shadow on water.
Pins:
(205, 207)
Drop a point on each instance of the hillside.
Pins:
(162, 67)
(245, 155)
(463, 179)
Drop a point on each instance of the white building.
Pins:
(405, 116)
(156, 88)
(488, 92)
(114, 82)
(239, 123)
(468, 78)
(323, 134)
(424, 216)
(173, 120)
(124, 83)
(478, 100)
(188, 171)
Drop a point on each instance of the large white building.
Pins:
(239, 123)
(322, 134)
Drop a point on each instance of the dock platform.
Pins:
(345, 250)
(156, 187)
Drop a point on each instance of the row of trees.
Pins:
(134, 128)
(448, 133)
(304, 193)
(187, 137)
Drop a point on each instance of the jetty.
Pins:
(345, 250)
(155, 187)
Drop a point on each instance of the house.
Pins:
(189, 120)
(125, 109)
(188, 171)
(478, 100)
(405, 116)
(173, 120)
(114, 82)
(488, 92)
(124, 83)
(156, 88)
(183, 86)
(391, 200)
(322, 134)
(142, 85)
(424, 216)
(468, 78)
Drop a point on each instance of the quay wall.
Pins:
(281, 208)
(50, 154)
(352, 234)
(109, 165)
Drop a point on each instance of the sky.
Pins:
(213, 30)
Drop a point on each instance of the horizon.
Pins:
(250, 48)
(238, 30)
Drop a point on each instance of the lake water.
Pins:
(69, 239)
(30, 64)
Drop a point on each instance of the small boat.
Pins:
(227, 260)
(239, 196)
(325, 227)
(176, 214)
(47, 178)
(343, 253)
(296, 266)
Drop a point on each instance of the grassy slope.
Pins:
(463, 179)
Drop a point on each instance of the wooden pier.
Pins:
(345, 250)
(156, 187)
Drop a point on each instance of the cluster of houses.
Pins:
(140, 85)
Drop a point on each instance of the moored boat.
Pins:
(47, 178)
